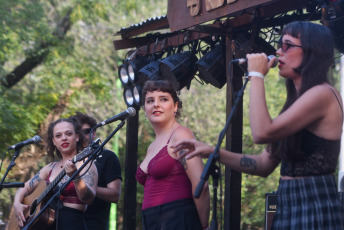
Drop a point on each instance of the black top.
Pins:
(97, 214)
(320, 157)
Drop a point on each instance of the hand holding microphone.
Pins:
(244, 60)
(258, 64)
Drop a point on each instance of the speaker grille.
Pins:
(270, 209)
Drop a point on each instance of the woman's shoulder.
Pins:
(323, 88)
(44, 172)
(49, 166)
(322, 93)
(182, 132)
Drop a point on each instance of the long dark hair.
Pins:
(318, 56)
(51, 148)
(163, 86)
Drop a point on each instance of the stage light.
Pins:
(132, 95)
(128, 96)
(137, 95)
(149, 72)
(128, 74)
(211, 67)
(179, 69)
(243, 44)
(134, 66)
(123, 74)
(333, 18)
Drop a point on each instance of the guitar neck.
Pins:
(51, 186)
(86, 152)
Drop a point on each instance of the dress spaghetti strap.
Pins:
(340, 105)
(172, 135)
(55, 163)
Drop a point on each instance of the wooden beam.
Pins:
(180, 17)
(170, 40)
(240, 12)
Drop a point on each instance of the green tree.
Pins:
(57, 57)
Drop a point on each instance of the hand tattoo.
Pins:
(248, 163)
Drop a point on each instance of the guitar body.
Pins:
(39, 198)
(45, 221)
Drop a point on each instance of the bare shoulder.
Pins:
(321, 95)
(182, 133)
(323, 90)
(44, 172)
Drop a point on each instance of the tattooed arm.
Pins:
(29, 187)
(261, 165)
(86, 185)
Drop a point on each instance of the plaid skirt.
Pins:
(308, 203)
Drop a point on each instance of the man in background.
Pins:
(109, 182)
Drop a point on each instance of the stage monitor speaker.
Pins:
(270, 208)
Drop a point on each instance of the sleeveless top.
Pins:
(166, 180)
(69, 194)
(320, 156)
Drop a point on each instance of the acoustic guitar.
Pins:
(38, 199)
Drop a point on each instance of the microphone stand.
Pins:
(10, 166)
(211, 168)
(91, 158)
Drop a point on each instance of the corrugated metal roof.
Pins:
(148, 22)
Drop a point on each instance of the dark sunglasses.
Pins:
(286, 46)
(86, 131)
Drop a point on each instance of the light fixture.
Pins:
(137, 94)
(133, 67)
(132, 95)
(211, 67)
(333, 18)
(149, 72)
(179, 69)
(243, 44)
(128, 96)
(128, 74)
(123, 74)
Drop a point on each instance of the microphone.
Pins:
(30, 141)
(130, 112)
(244, 60)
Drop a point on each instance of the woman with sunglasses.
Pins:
(64, 139)
(304, 137)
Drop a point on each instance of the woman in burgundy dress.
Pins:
(169, 183)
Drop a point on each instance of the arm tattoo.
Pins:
(183, 160)
(35, 178)
(248, 163)
(88, 178)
